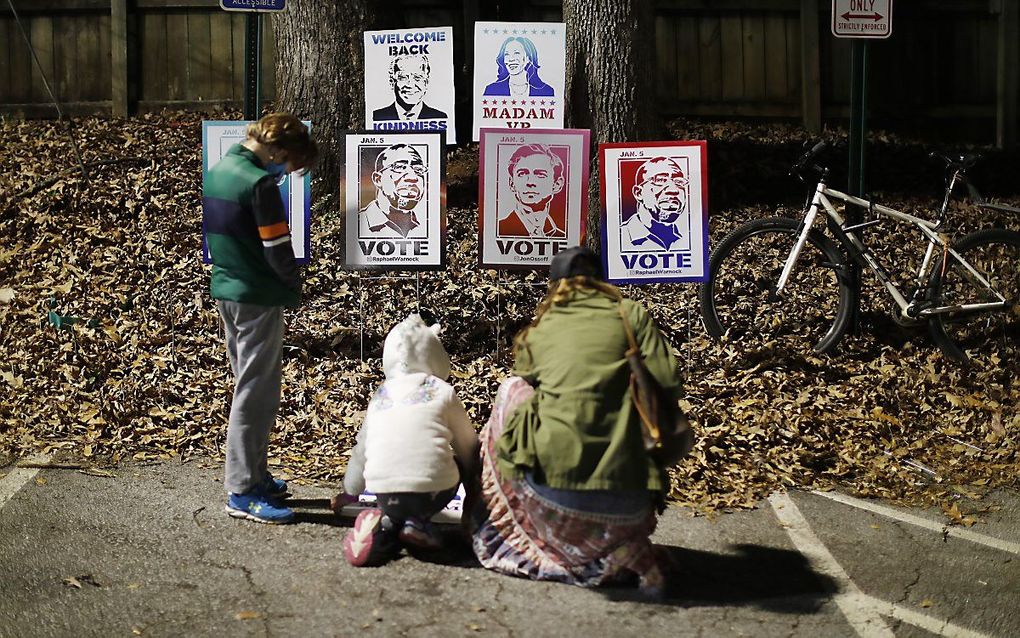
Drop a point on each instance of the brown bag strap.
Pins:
(627, 329)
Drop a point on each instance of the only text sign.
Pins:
(862, 18)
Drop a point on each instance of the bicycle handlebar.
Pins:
(806, 160)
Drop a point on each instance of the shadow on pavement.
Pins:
(778, 580)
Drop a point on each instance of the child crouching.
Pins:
(403, 452)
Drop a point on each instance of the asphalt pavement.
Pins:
(147, 550)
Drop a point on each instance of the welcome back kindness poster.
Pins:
(519, 75)
(409, 81)
(655, 211)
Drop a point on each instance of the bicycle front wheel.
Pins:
(739, 298)
(995, 253)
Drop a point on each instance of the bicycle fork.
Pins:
(806, 224)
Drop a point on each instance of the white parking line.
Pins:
(928, 623)
(965, 534)
(863, 612)
(861, 615)
(10, 484)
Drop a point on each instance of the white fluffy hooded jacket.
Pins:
(413, 419)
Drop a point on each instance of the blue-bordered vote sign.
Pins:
(654, 211)
(217, 138)
(253, 5)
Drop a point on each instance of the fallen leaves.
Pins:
(113, 351)
(953, 513)
(77, 582)
(248, 615)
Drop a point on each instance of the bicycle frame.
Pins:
(856, 248)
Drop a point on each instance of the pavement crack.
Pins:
(259, 595)
(910, 585)
(497, 618)
(796, 626)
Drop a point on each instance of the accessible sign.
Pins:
(253, 5)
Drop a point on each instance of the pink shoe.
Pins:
(368, 543)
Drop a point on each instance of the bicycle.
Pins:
(780, 276)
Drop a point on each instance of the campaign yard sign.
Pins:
(519, 75)
(393, 188)
(534, 195)
(217, 138)
(654, 211)
(409, 80)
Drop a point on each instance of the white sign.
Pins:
(534, 195)
(409, 80)
(449, 515)
(217, 138)
(393, 189)
(655, 211)
(519, 75)
(862, 18)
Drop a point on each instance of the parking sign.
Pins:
(871, 19)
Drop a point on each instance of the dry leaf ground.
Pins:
(111, 349)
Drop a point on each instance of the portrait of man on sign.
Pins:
(659, 222)
(535, 177)
(517, 71)
(409, 79)
(399, 179)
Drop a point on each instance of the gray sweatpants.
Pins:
(254, 344)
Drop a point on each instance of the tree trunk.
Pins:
(610, 66)
(320, 77)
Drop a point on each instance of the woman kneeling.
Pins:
(568, 492)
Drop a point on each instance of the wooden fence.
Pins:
(949, 62)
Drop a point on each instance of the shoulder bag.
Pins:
(664, 427)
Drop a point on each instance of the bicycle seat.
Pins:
(957, 161)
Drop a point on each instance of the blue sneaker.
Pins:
(274, 487)
(256, 506)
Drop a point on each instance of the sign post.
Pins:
(253, 48)
(859, 20)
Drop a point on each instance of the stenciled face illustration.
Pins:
(410, 79)
(401, 177)
(515, 59)
(663, 189)
(534, 181)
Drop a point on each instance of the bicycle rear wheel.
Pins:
(739, 300)
(995, 253)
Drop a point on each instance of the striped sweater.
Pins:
(246, 231)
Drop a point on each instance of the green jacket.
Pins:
(246, 231)
(580, 431)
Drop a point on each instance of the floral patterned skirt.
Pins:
(520, 533)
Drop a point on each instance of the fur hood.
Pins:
(411, 347)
